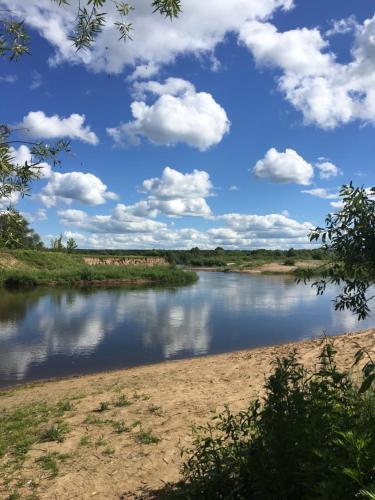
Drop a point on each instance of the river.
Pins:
(58, 332)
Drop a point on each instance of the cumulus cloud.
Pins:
(156, 40)
(328, 93)
(122, 229)
(178, 115)
(284, 167)
(38, 125)
(175, 194)
(75, 186)
(22, 155)
(121, 221)
(321, 193)
(337, 204)
(327, 170)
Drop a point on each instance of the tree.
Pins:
(57, 244)
(16, 233)
(349, 238)
(71, 245)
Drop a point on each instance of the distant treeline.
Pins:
(219, 257)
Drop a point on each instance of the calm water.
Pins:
(49, 333)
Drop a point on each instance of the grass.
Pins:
(146, 437)
(23, 427)
(49, 462)
(46, 268)
(122, 401)
(103, 406)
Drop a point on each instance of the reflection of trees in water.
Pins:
(14, 305)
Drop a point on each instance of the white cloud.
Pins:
(121, 221)
(200, 28)
(337, 204)
(8, 78)
(321, 193)
(233, 187)
(284, 167)
(178, 115)
(39, 215)
(342, 26)
(327, 169)
(122, 229)
(144, 71)
(328, 93)
(22, 155)
(75, 186)
(38, 125)
(175, 194)
(36, 80)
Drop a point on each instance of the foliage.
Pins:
(46, 267)
(15, 179)
(91, 20)
(13, 39)
(57, 244)
(349, 237)
(71, 245)
(313, 436)
(16, 233)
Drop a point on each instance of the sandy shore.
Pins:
(165, 400)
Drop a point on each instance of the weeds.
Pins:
(103, 406)
(312, 436)
(54, 433)
(120, 427)
(146, 437)
(122, 401)
(48, 462)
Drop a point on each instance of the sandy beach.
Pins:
(163, 401)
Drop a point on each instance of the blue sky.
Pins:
(249, 105)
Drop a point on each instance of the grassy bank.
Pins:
(29, 268)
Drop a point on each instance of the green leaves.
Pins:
(168, 8)
(312, 436)
(349, 238)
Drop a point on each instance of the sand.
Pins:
(166, 399)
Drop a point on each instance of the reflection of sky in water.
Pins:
(58, 332)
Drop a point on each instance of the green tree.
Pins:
(349, 239)
(71, 245)
(57, 244)
(16, 233)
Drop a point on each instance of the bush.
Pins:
(20, 281)
(313, 437)
(289, 262)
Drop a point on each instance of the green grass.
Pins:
(49, 462)
(146, 437)
(122, 401)
(25, 426)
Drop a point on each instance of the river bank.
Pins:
(118, 433)
(30, 268)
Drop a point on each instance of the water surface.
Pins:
(58, 332)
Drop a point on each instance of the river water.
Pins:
(59, 332)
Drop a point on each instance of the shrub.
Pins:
(289, 262)
(20, 281)
(312, 437)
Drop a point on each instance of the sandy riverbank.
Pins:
(164, 401)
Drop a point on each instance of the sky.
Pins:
(233, 126)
